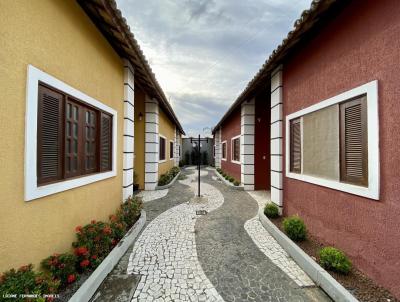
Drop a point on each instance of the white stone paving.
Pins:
(270, 247)
(152, 195)
(166, 257)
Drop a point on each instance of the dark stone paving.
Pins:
(233, 263)
(118, 286)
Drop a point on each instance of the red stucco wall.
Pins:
(361, 45)
(231, 128)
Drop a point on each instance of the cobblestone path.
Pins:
(234, 263)
(225, 255)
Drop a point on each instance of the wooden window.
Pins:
(353, 142)
(69, 139)
(295, 146)
(162, 147)
(235, 149)
(224, 150)
(171, 150)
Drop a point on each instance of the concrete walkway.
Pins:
(222, 256)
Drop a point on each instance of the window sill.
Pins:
(162, 161)
(224, 159)
(368, 192)
(35, 191)
(235, 162)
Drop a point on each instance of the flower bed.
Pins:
(166, 178)
(362, 287)
(59, 272)
(227, 178)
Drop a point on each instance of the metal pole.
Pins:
(198, 158)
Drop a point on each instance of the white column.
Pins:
(276, 137)
(151, 144)
(129, 131)
(176, 147)
(218, 151)
(247, 144)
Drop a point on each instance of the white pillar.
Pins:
(129, 131)
(247, 122)
(151, 144)
(276, 137)
(218, 150)
(176, 147)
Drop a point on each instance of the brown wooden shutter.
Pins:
(295, 146)
(353, 142)
(49, 135)
(105, 142)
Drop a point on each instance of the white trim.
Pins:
(226, 151)
(32, 190)
(232, 160)
(165, 139)
(371, 90)
(173, 151)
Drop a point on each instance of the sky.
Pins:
(204, 52)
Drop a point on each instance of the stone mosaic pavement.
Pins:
(225, 255)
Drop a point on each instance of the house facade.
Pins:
(70, 78)
(333, 133)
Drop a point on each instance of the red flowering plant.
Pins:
(129, 211)
(26, 281)
(118, 228)
(94, 242)
(61, 267)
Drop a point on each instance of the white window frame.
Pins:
(232, 160)
(165, 140)
(372, 191)
(32, 190)
(226, 151)
(173, 151)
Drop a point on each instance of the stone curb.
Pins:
(320, 276)
(89, 287)
(228, 183)
(170, 183)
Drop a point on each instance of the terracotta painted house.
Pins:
(318, 127)
(79, 102)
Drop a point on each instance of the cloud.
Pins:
(204, 52)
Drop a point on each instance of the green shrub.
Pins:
(271, 210)
(295, 228)
(227, 177)
(164, 179)
(61, 267)
(129, 211)
(236, 183)
(231, 179)
(181, 163)
(335, 260)
(174, 171)
(26, 281)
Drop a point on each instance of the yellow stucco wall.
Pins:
(167, 129)
(139, 136)
(58, 38)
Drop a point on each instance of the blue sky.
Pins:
(204, 52)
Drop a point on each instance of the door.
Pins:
(262, 142)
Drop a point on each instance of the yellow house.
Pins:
(78, 101)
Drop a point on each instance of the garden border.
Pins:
(170, 183)
(89, 287)
(320, 276)
(240, 187)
